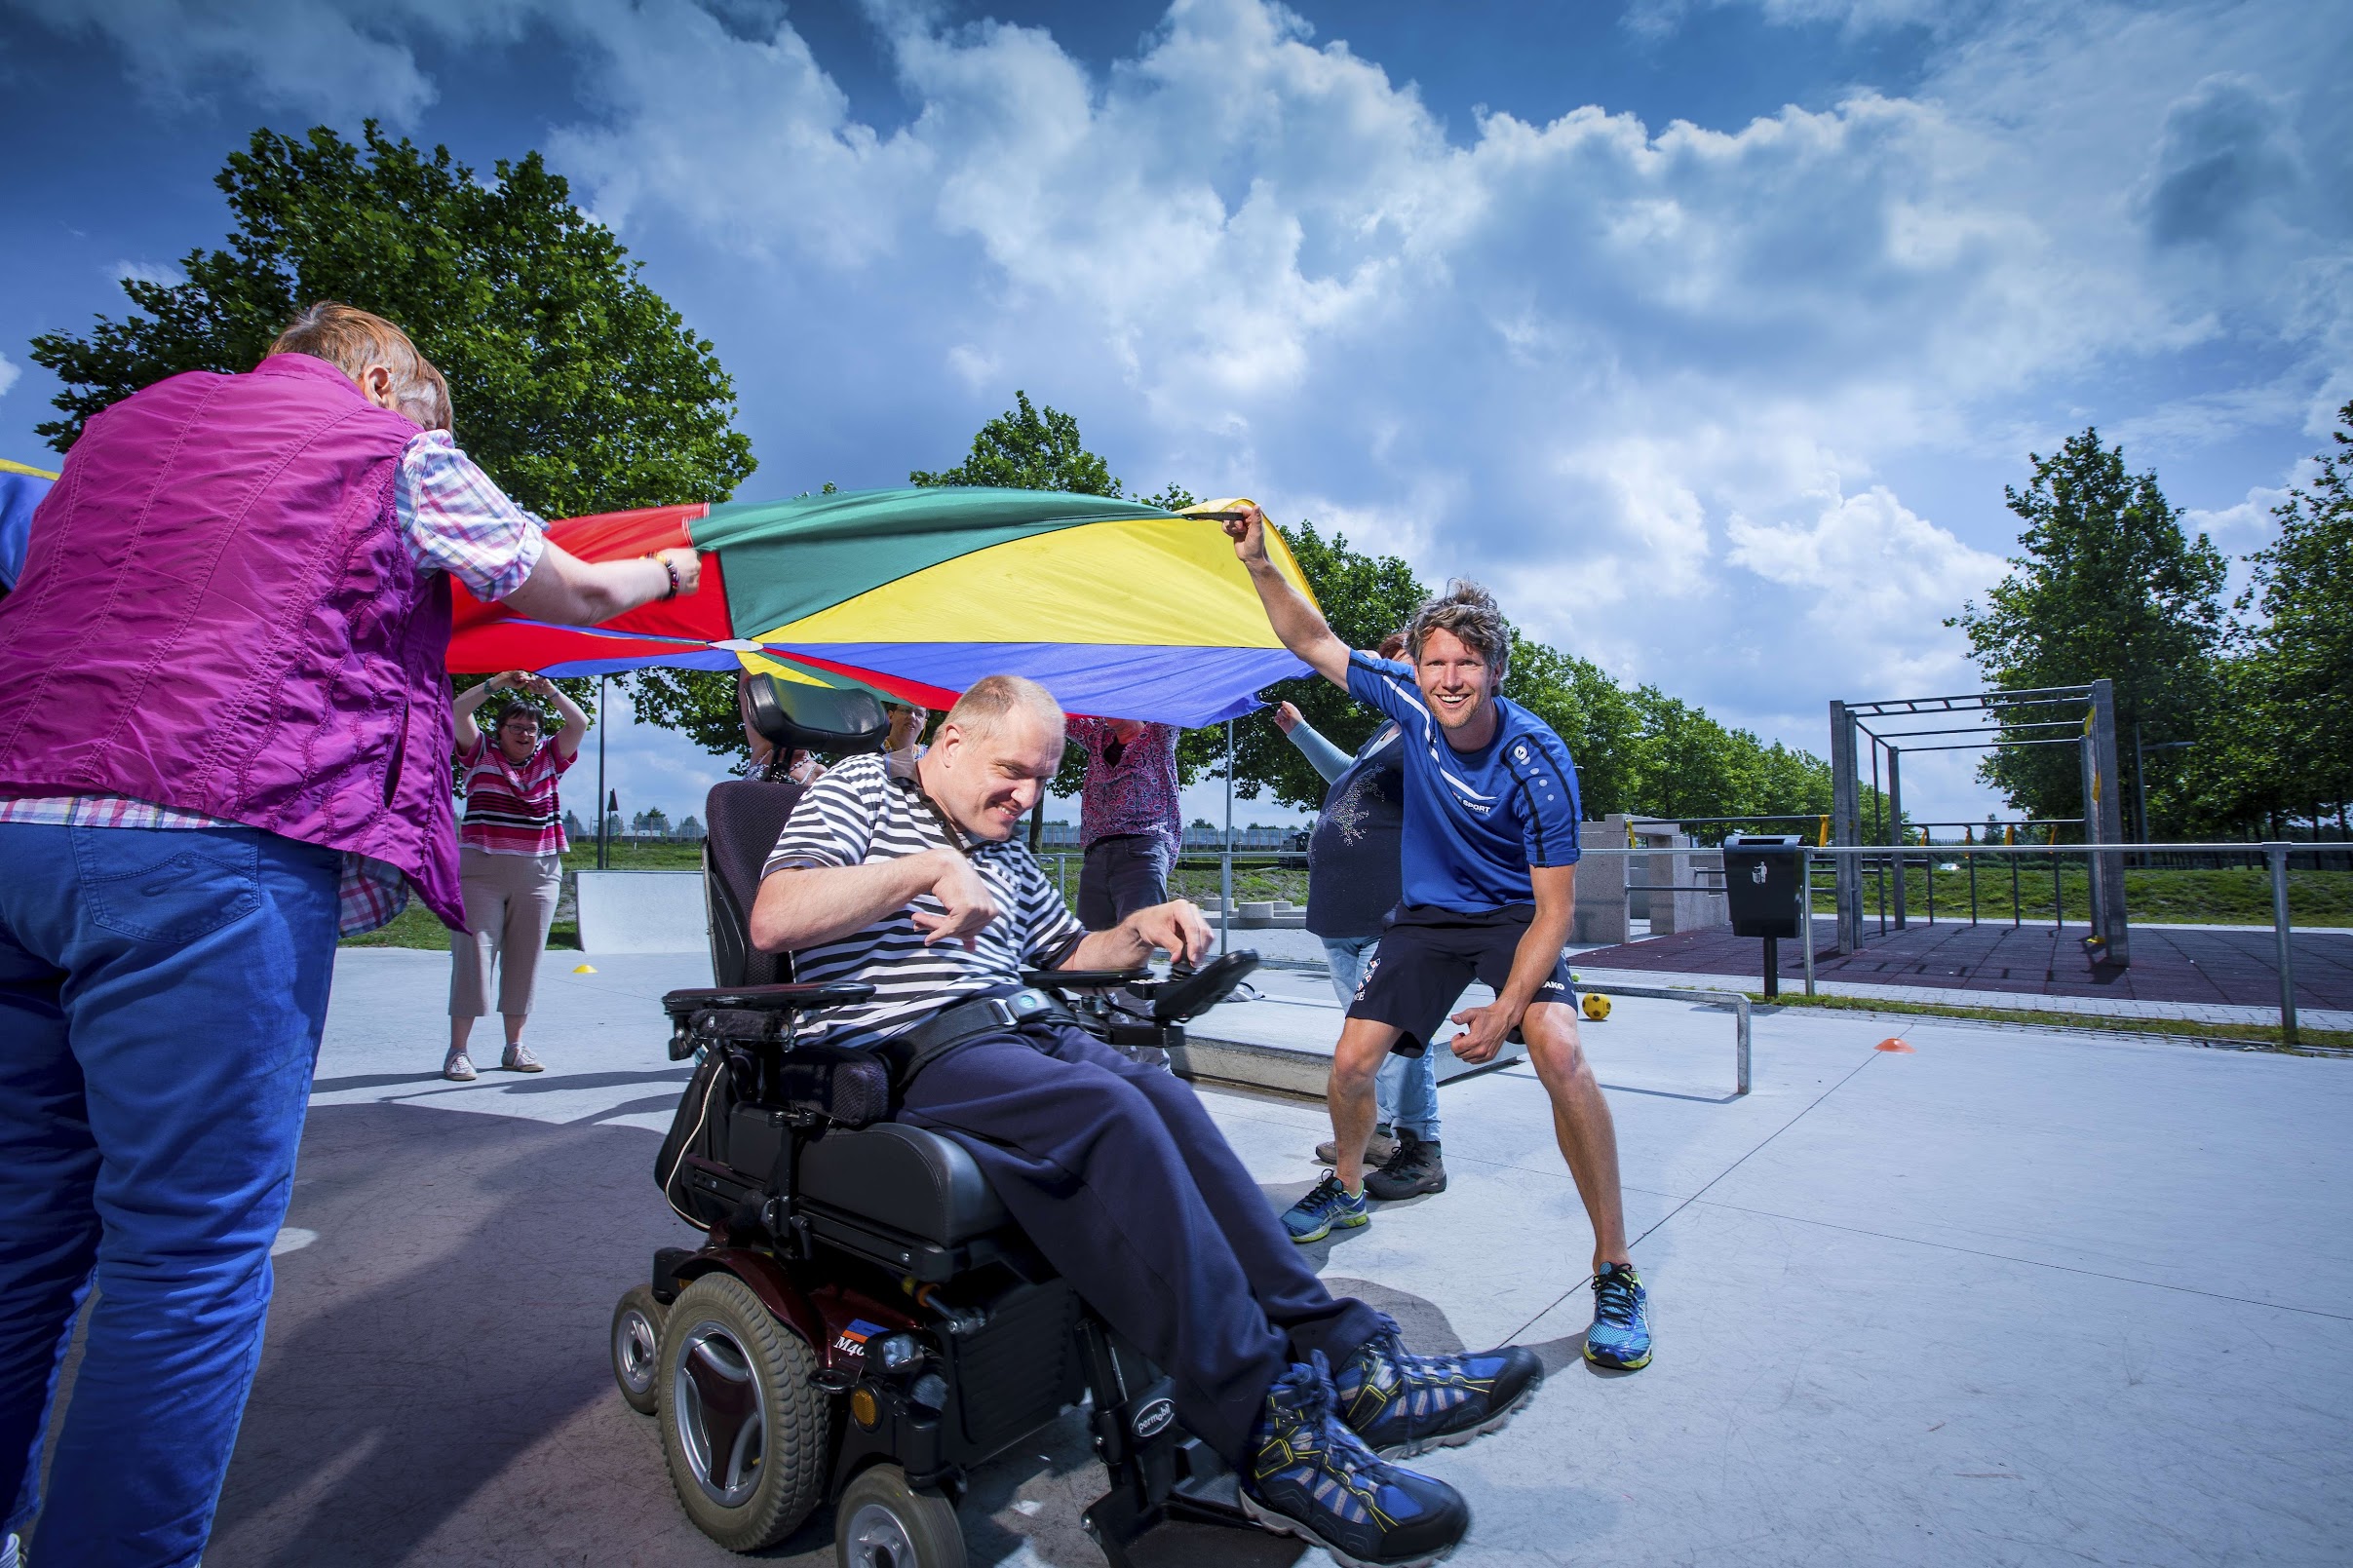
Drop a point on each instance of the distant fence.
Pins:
(2016, 862)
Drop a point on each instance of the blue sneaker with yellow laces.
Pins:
(1312, 1477)
(1403, 1404)
(1620, 1336)
(1328, 1207)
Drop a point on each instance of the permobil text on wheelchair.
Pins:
(862, 1324)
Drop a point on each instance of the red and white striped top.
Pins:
(511, 809)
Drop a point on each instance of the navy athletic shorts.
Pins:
(1429, 956)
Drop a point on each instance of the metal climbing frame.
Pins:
(2080, 717)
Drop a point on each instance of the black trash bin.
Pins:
(1764, 881)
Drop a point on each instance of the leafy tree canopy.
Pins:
(576, 387)
(2109, 585)
(2280, 741)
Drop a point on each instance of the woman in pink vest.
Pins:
(224, 736)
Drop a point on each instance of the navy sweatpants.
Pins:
(1120, 1177)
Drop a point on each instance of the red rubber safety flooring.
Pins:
(2239, 968)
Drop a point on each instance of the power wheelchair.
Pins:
(862, 1324)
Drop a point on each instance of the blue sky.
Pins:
(1708, 331)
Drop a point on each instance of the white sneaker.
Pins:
(519, 1059)
(459, 1068)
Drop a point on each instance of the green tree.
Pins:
(2280, 742)
(576, 387)
(1028, 449)
(2109, 585)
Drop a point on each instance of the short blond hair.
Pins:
(986, 701)
(356, 342)
(426, 403)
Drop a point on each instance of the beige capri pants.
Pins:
(510, 904)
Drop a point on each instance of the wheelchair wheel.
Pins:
(743, 1431)
(882, 1523)
(637, 1344)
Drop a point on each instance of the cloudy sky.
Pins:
(1708, 331)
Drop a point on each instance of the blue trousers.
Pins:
(162, 993)
(1406, 1089)
(1121, 1179)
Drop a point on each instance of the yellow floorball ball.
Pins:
(1597, 1006)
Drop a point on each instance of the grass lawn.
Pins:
(2236, 897)
(2258, 1034)
(418, 927)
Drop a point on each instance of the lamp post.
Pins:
(1226, 863)
(600, 794)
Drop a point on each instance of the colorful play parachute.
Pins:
(20, 490)
(1116, 607)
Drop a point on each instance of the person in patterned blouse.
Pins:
(1128, 818)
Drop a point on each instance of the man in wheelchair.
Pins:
(905, 874)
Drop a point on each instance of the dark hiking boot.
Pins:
(1376, 1153)
(1415, 1168)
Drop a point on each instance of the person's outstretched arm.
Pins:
(1321, 755)
(567, 591)
(467, 732)
(575, 722)
(809, 906)
(456, 519)
(1301, 628)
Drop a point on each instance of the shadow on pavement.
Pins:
(444, 1331)
(435, 1386)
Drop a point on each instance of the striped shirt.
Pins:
(872, 809)
(512, 809)
(452, 519)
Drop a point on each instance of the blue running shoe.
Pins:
(1310, 1476)
(1331, 1206)
(1620, 1335)
(1403, 1404)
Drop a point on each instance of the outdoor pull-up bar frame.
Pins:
(2092, 717)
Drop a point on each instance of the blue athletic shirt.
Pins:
(1475, 821)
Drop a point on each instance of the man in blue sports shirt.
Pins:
(1490, 861)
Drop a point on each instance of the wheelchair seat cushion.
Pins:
(910, 1179)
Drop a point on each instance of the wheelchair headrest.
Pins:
(817, 718)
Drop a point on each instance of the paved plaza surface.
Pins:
(2235, 966)
(2007, 1298)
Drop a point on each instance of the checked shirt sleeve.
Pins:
(455, 520)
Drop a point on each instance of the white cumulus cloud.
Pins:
(1692, 398)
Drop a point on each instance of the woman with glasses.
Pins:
(510, 857)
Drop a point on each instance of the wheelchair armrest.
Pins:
(747, 1012)
(764, 998)
(1083, 979)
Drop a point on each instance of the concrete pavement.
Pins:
(2007, 1298)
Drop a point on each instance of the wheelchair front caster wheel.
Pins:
(882, 1523)
(637, 1344)
(743, 1430)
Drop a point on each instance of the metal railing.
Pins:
(2275, 855)
(1738, 1001)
